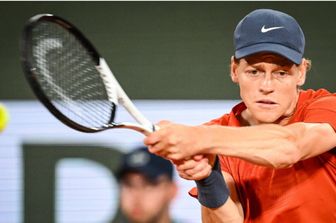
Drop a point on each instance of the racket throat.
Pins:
(139, 128)
(110, 82)
(117, 95)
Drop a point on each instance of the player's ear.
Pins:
(233, 69)
(303, 71)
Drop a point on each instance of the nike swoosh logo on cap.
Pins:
(265, 30)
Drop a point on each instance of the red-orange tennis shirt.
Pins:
(303, 193)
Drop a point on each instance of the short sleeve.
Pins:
(322, 110)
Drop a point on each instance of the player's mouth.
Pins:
(265, 103)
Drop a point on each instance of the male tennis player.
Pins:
(280, 164)
(147, 187)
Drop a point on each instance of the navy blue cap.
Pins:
(267, 30)
(142, 161)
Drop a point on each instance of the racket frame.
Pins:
(143, 126)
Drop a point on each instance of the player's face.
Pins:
(143, 201)
(268, 86)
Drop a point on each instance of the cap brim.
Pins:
(286, 52)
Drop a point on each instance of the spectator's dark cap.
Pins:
(143, 162)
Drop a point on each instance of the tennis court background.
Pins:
(155, 48)
(40, 156)
(167, 51)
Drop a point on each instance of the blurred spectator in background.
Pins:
(147, 187)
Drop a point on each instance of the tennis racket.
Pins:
(72, 80)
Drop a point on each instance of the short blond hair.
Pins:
(308, 62)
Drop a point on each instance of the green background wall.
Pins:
(167, 50)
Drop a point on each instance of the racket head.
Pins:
(50, 47)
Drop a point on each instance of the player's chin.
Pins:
(268, 117)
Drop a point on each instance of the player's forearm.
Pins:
(268, 145)
(227, 213)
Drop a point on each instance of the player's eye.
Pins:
(253, 72)
(281, 74)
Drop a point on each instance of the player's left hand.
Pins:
(175, 141)
(197, 168)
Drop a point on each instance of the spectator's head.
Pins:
(147, 186)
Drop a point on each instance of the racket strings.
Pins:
(67, 73)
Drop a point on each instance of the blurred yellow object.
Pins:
(4, 117)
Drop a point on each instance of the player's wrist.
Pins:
(206, 140)
(212, 190)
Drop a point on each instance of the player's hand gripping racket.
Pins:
(71, 79)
